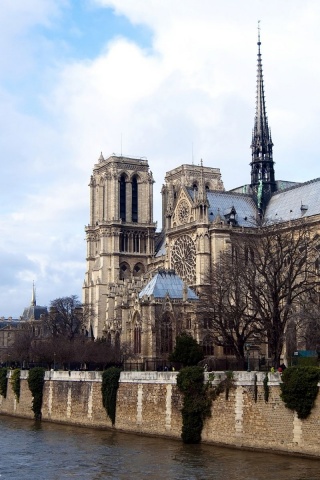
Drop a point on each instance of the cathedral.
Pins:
(144, 285)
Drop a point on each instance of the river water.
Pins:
(49, 451)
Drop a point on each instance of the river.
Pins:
(47, 451)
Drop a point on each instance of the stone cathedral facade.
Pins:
(143, 285)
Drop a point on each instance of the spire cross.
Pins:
(259, 43)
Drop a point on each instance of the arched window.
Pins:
(138, 270)
(123, 198)
(136, 242)
(134, 199)
(207, 322)
(124, 272)
(166, 334)
(137, 338)
(207, 345)
(123, 242)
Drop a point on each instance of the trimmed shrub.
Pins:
(109, 389)
(15, 383)
(3, 381)
(187, 351)
(35, 383)
(299, 389)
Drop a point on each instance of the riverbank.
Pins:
(150, 403)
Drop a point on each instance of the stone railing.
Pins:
(73, 376)
(239, 378)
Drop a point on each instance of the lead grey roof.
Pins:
(222, 202)
(159, 243)
(33, 312)
(167, 282)
(297, 202)
(162, 249)
(12, 322)
(281, 185)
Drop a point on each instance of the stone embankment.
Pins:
(150, 403)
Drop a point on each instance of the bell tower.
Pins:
(262, 165)
(120, 235)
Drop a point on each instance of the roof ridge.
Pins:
(313, 180)
(227, 192)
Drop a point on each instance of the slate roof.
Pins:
(159, 243)
(166, 282)
(222, 202)
(33, 312)
(293, 203)
(281, 185)
(13, 322)
(162, 249)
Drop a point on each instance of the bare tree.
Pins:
(67, 317)
(260, 284)
(226, 306)
(307, 321)
(21, 350)
(279, 274)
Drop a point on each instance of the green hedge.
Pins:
(109, 389)
(35, 383)
(266, 388)
(299, 389)
(15, 383)
(196, 403)
(3, 381)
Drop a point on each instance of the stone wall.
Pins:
(10, 405)
(150, 403)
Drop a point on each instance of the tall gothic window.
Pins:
(136, 242)
(123, 197)
(123, 242)
(134, 199)
(166, 334)
(208, 345)
(137, 339)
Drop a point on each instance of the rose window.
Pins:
(184, 258)
(183, 211)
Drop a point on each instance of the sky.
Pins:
(173, 81)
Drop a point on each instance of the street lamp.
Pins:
(54, 361)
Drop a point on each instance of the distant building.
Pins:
(10, 328)
(33, 311)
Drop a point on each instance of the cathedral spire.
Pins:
(33, 296)
(262, 165)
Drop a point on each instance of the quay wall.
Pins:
(150, 403)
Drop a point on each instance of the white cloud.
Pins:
(191, 90)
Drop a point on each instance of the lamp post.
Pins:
(54, 361)
(247, 346)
